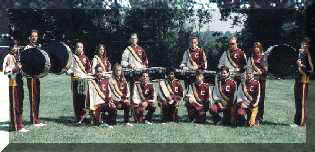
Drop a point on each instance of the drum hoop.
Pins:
(47, 65)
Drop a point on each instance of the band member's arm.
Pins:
(125, 59)
(7, 65)
(154, 96)
(184, 60)
(204, 60)
(195, 94)
(140, 91)
(94, 63)
(222, 60)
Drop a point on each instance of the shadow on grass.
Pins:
(68, 121)
(274, 124)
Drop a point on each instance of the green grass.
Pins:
(57, 112)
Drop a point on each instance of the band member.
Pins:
(12, 68)
(80, 71)
(169, 97)
(305, 66)
(224, 94)
(102, 87)
(248, 96)
(235, 59)
(197, 100)
(144, 98)
(134, 55)
(194, 58)
(33, 85)
(101, 59)
(120, 92)
(258, 61)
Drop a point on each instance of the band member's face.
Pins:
(249, 76)
(199, 78)
(101, 50)
(145, 77)
(34, 37)
(118, 71)
(172, 76)
(225, 74)
(79, 48)
(133, 41)
(256, 49)
(232, 44)
(99, 72)
(194, 43)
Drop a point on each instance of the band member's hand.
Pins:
(243, 105)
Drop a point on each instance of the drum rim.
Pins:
(69, 63)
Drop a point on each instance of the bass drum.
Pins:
(60, 56)
(35, 62)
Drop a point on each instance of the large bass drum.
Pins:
(35, 62)
(60, 56)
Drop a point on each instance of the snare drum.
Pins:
(35, 62)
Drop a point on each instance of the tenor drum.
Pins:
(60, 55)
(35, 62)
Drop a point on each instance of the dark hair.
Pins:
(34, 31)
(97, 66)
(12, 43)
(99, 46)
(224, 68)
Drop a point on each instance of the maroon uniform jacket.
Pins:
(147, 91)
(227, 88)
(141, 54)
(202, 90)
(237, 58)
(85, 62)
(258, 60)
(198, 57)
(250, 92)
(103, 85)
(123, 87)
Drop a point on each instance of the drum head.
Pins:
(60, 56)
(35, 62)
(282, 61)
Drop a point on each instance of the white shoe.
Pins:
(294, 125)
(129, 124)
(39, 125)
(163, 123)
(110, 127)
(148, 122)
(23, 130)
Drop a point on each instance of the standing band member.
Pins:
(258, 61)
(248, 97)
(234, 59)
(134, 55)
(101, 58)
(224, 94)
(80, 71)
(197, 100)
(144, 98)
(12, 68)
(121, 92)
(305, 66)
(194, 58)
(169, 97)
(33, 85)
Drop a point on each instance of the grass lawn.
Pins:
(57, 112)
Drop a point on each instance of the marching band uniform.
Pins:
(121, 95)
(33, 85)
(103, 61)
(143, 99)
(224, 94)
(170, 94)
(301, 88)
(134, 56)
(103, 90)
(194, 59)
(258, 62)
(80, 71)
(197, 101)
(16, 92)
(235, 61)
(248, 96)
